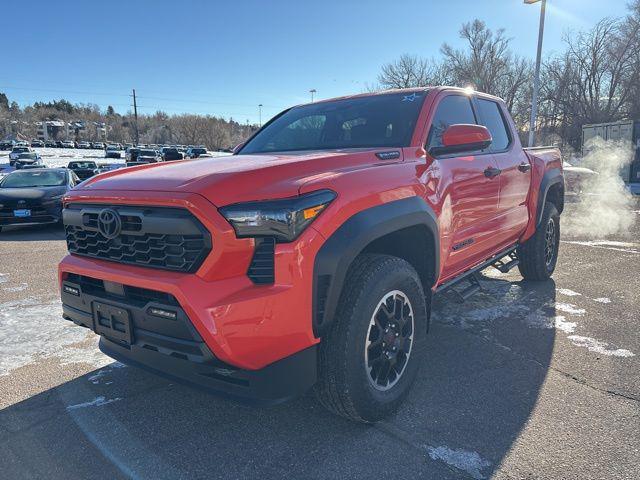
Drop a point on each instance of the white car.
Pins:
(16, 151)
(575, 178)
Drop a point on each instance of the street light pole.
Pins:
(260, 115)
(312, 91)
(536, 78)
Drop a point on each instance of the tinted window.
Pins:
(491, 118)
(451, 110)
(371, 121)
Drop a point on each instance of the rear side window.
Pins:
(452, 110)
(491, 117)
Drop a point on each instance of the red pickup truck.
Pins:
(310, 256)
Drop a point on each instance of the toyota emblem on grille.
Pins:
(109, 223)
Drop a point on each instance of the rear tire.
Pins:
(539, 255)
(369, 359)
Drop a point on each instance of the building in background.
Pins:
(75, 130)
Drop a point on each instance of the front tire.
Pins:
(539, 255)
(369, 359)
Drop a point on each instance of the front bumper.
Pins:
(172, 347)
(40, 215)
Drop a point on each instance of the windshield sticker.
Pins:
(410, 98)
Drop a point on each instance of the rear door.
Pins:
(515, 175)
(469, 197)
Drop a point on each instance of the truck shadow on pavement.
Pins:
(487, 362)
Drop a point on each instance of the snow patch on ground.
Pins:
(3, 278)
(19, 288)
(492, 273)
(95, 378)
(569, 308)
(539, 320)
(597, 346)
(567, 292)
(602, 300)
(470, 462)
(627, 247)
(33, 328)
(96, 402)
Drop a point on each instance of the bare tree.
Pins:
(410, 71)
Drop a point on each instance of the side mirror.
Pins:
(463, 138)
(237, 148)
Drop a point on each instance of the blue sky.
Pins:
(226, 57)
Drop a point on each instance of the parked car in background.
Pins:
(6, 145)
(31, 166)
(68, 144)
(37, 143)
(171, 153)
(34, 196)
(83, 169)
(97, 145)
(49, 144)
(16, 151)
(112, 151)
(108, 167)
(195, 152)
(27, 159)
(84, 145)
(131, 154)
(147, 155)
(577, 179)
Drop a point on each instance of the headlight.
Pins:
(53, 200)
(283, 219)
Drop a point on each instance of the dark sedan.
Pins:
(34, 196)
(83, 169)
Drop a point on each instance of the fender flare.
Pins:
(343, 246)
(550, 178)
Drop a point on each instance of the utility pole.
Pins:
(312, 91)
(135, 116)
(536, 78)
(260, 115)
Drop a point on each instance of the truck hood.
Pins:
(237, 178)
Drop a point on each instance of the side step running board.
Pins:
(471, 276)
(510, 264)
(473, 287)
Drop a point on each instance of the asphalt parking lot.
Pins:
(522, 381)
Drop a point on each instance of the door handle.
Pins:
(524, 167)
(491, 172)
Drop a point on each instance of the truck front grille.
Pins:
(156, 237)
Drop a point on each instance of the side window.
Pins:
(451, 110)
(491, 117)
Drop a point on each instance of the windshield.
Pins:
(34, 179)
(20, 149)
(147, 153)
(28, 155)
(386, 120)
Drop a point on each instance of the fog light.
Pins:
(71, 290)
(159, 312)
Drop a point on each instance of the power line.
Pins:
(178, 100)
